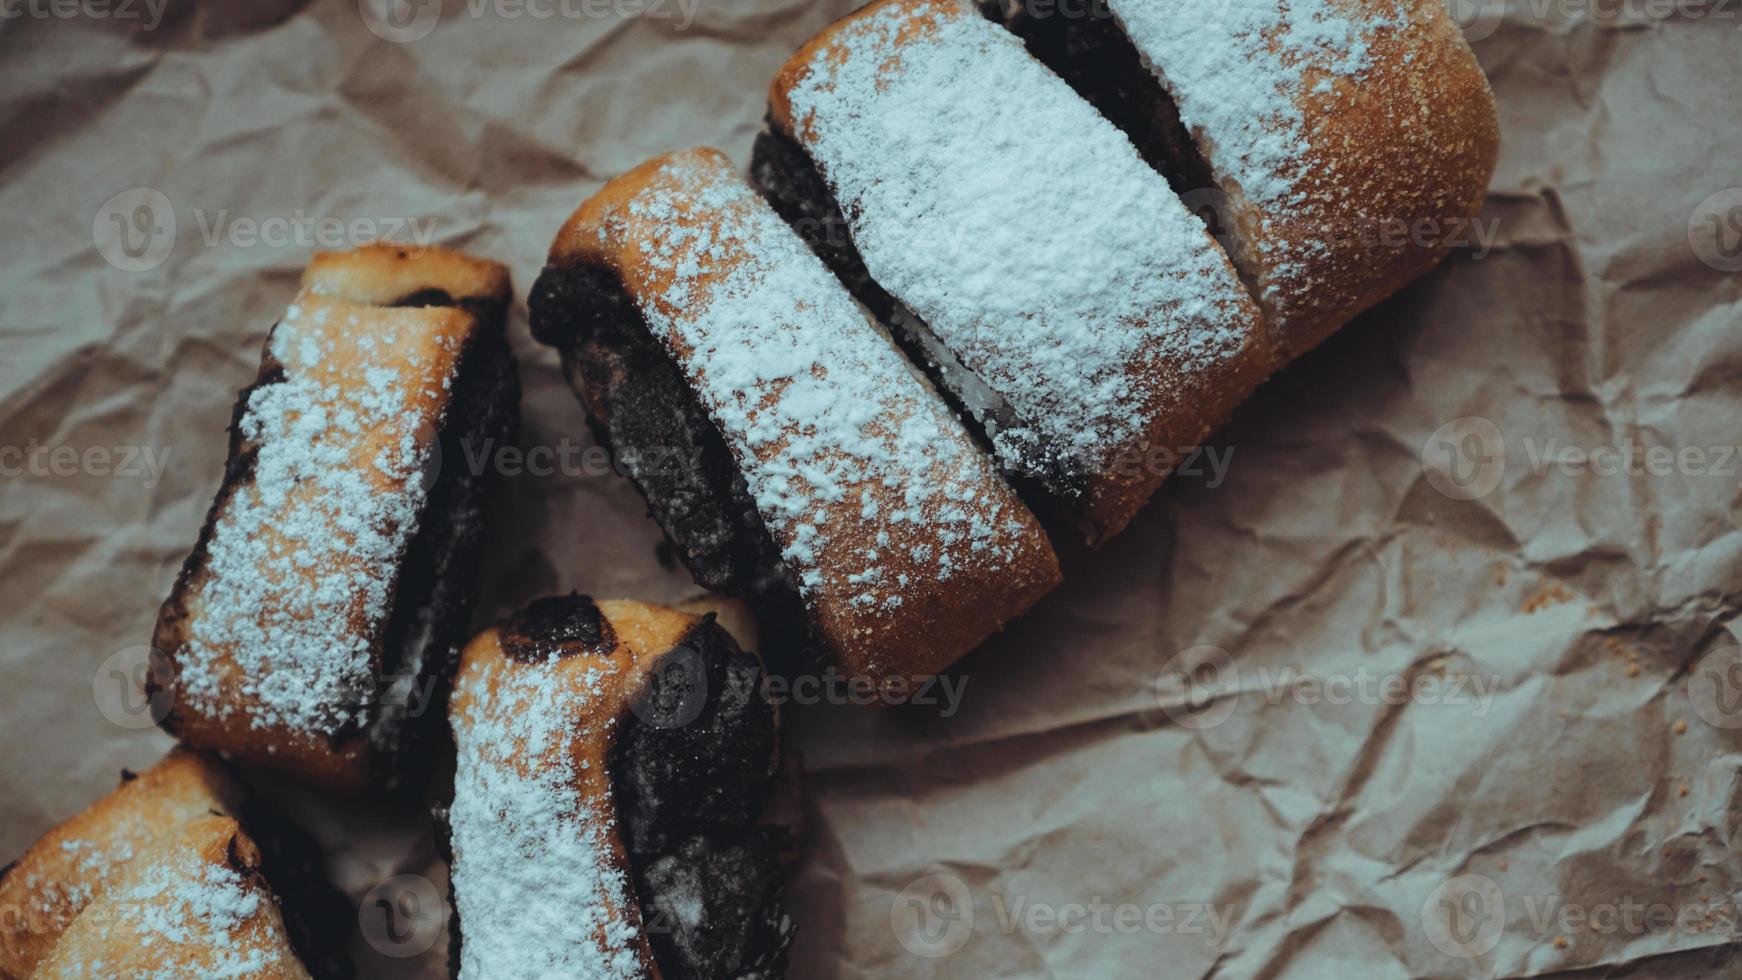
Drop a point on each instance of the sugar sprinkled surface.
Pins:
(1241, 72)
(303, 557)
(854, 462)
(532, 883)
(1238, 70)
(194, 919)
(1020, 225)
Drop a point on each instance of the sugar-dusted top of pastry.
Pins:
(75, 862)
(287, 617)
(1016, 221)
(540, 874)
(1239, 70)
(874, 493)
(195, 908)
(1351, 137)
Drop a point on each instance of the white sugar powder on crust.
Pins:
(846, 453)
(532, 880)
(304, 556)
(1020, 225)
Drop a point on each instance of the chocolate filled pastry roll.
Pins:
(613, 763)
(158, 879)
(314, 626)
(782, 441)
(1342, 146)
(1056, 285)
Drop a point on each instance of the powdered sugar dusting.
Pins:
(1021, 226)
(857, 468)
(303, 557)
(536, 894)
(190, 918)
(1239, 70)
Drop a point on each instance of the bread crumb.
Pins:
(1681, 727)
(1560, 942)
(1550, 595)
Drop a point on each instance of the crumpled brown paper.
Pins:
(1429, 670)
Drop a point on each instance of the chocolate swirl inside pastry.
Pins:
(614, 757)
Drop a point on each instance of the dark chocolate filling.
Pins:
(557, 626)
(792, 183)
(690, 770)
(434, 594)
(642, 410)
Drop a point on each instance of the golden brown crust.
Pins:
(383, 274)
(213, 701)
(225, 719)
(938, 619)
(77, 860)
(195, 904)
(1397, 161)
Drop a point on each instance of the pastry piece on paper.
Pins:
(159, 879)
(314, 626)
(1017, 241)
(1340, 147)
(614, 760)
(782, 441)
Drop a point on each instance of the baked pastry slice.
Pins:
(1341, 145)
(613, 763)
(159, 879)
(1014, 236)
(313, 628)
(783, 443)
